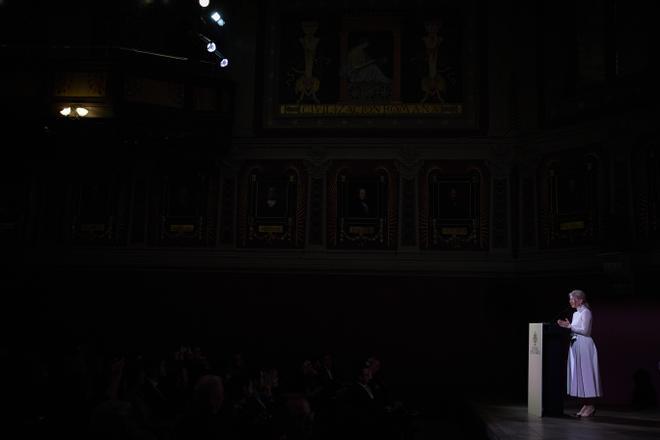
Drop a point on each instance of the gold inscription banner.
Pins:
(361, 230)
(271, 229)
(571, 226)
(182, 228)
(92, 227)
(370, 109)
(454, 231)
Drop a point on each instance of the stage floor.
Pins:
(511, 422)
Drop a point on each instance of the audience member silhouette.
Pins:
(204, 418)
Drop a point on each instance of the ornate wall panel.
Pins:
(185, 200)
(569, 199)
(347, 69)
(454, 205)
(100, 207)
(363, 205)
(272, 205)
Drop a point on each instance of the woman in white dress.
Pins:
(582, 372)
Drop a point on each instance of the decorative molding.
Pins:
(528, 211)
(441, 263)
(500, 213)
(317, 162)
(408, 212)
(316, 204)
(227, 211)
(409, 162)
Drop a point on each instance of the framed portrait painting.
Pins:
(271, 207)
(454, 206)
(362, 204)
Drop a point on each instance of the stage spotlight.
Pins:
(82, 111)
(224, 61)
(213, 48)
(66, 111)
(210, 45)
(204, 3)
(218, 18)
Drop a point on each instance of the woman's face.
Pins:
(574, 302)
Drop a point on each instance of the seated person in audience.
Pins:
(205, 418)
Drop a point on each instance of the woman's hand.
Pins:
(563, 323)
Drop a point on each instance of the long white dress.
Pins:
(582, 372)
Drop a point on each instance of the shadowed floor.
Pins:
(511, 422)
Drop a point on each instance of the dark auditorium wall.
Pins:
(423, 328)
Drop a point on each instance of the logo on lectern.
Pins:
(535, 348)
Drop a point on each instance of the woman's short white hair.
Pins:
(579, 294)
